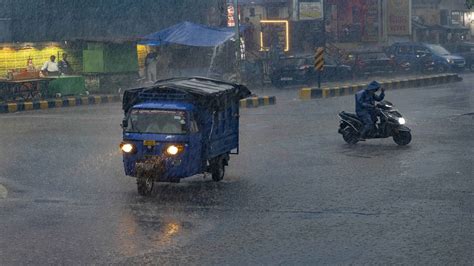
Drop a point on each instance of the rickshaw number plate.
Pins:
(149, 143)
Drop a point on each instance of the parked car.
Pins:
(367, 63)
(411, 57)
(444, 60)
(464, 49)
(300, 70)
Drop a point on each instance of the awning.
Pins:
(187, 33)
(418, 25)
(449, 28)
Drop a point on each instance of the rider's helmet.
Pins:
(373, 86)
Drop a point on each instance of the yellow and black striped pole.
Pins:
(319, 63)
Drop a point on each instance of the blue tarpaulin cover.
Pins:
(187, 33)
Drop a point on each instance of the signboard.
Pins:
(371, 31)
(399, 22)
(274, 33)
(311, 10)
(319, 59)
(230, 16)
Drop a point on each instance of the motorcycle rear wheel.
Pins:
(350, 136)
(402, 138)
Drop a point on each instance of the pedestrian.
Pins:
(151, 63)
(50, 68)
(365, 107)
(64, 65)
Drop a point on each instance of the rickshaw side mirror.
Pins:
(124, 123)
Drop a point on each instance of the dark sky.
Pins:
(56, 20)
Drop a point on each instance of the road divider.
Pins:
(91, 100)
(57, 103)
(252, 102)
(327, 92)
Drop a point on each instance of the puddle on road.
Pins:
(3, 192)
(463, 118)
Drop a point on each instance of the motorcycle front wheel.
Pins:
(145, 186)
(402, 138)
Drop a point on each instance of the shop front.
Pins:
(354, 21)
(23, 75)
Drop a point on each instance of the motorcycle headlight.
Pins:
(401, 121)
(127, 147)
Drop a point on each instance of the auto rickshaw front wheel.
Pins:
(145, 186)
(218, 168)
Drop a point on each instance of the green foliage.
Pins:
(469, 4)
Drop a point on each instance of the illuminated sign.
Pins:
(230, 16)
(274, 32)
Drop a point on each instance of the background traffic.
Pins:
(399, 58)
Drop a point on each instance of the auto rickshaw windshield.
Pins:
(157, 122)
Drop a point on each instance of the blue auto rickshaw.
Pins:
(178, 128)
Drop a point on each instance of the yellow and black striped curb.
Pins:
(312, 93)
(257, 101)
(57, 103)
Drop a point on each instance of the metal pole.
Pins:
(323, 21)
(237, 38)
(319, 79)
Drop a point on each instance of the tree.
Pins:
(469, 4)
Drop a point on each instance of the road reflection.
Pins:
(140, 233)
(174, 214)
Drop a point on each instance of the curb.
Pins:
(327, 92)
(57, 103)
(257, 101)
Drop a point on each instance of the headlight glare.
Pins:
(127, 147)
(401, 121)
(172, 150)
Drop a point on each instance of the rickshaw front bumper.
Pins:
(159, 168)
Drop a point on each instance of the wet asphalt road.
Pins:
(297, 194)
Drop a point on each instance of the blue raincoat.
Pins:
(365, 106)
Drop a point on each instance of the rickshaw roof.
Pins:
(197, 90)
(164, 105)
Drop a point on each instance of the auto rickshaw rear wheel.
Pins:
(145, 186)
(218, 169)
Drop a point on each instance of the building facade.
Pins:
(441, 21)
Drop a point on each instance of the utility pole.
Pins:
(319, 58)
(237, 38)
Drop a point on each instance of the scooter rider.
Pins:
(365, 106)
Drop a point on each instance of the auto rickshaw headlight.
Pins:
(173, 150)
(127, 147)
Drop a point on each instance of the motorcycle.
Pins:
(390, 124)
